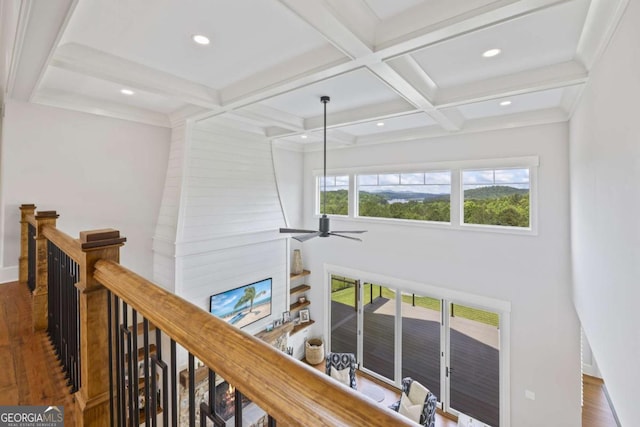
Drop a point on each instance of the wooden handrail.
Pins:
(66, 243)
(293, 393)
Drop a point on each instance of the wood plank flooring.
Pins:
(595, 410)
(30, 371)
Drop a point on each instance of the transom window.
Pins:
(497, 197)
(337, 195)
(423, 196)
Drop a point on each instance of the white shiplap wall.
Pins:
(217, 227)
(165, 236)
(230, 186)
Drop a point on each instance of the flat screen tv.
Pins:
(243, 305)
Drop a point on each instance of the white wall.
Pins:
(605, 172)
(531, 272)
(289, 168)
(96, 172)
(219, 217)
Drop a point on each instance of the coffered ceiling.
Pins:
(394, 69)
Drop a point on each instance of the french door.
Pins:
(451, 347)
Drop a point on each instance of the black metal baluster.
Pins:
(271, 422)
(147, 399)
(192, 392)
(174, 378)
(110, 345)
(120, 389)
(136, 375)
(31, 258)
(238, 408)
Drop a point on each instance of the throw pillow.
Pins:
(417, 393)
(341, 375)
(409, 410)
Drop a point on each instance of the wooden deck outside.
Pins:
(474, 385)
(31, 374)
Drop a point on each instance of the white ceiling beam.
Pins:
(552, 115)
(319, 64)
(602, 20)
(40, 26)
(455, 18)
(360, 115)
(413, 73)
(100, 107)
(341, 137)
(550, 77)
(326, 20)
(97, 64)
(273, 116)
(411, 94)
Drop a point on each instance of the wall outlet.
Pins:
(529, 395)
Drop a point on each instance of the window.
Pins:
(423, 196)
(496, 197)
(337, 195)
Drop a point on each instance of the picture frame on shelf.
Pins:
(277, 322)
(286, 316)
(304, 316)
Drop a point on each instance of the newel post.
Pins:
(23, 264)
(41, 291)
(92, 400)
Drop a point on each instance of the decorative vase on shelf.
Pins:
(296, 265)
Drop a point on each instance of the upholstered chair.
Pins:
(417, 403)
(342, 367)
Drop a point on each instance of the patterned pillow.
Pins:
(410, 410)
(341, 375)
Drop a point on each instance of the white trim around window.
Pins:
(457, 204)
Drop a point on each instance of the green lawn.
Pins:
(343, 291)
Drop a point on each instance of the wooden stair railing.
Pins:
(289, 391)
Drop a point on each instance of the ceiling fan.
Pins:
(323, 229)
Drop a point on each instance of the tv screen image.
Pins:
(244, 305)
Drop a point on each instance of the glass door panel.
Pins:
(421, 340)
(344, 315)
(474, 345)
(378, 329)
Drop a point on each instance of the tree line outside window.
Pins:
(495, 197)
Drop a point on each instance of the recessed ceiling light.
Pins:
(126, 91)
(505, 103)
(200, 39)
(491, 53)
(380, 124)
(303, 136)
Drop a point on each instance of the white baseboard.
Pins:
(9, 274)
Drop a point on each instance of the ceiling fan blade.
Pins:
(351, 231)
(346, 237)
(306, 237)
(296, 230)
